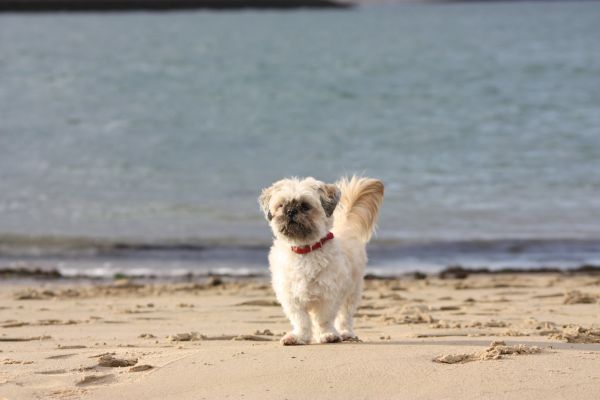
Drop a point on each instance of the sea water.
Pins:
(131, 141)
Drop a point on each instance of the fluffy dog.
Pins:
(319, 252)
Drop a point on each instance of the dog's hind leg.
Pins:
(344, 319)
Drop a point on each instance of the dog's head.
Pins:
(299, 211)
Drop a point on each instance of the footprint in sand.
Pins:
(67, 393)
(9, 361)
(140, 368)
(72, 347)
(496, 351)
(24, 339)
(265, 332)
(111, 361)
(52, 372)
(577, 297)
(90, 380)
(61, 356)
(262, 303)
(578, 334)
(14, 324)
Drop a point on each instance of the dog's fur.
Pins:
(320, 290)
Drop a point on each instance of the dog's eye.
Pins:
(278, 206)
(304, 206)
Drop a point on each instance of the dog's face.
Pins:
(299, 211)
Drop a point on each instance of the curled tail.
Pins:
(357, 211)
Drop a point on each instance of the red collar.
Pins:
(318, 245)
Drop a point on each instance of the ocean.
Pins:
(138, 142)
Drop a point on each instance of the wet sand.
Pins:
(525, 336)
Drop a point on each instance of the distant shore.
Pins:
(124, 5)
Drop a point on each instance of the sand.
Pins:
(486, 336)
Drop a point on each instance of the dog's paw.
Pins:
(330, 338)
(292, 340)
(349, 337)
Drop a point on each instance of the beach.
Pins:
(493, 336)
(135, 145)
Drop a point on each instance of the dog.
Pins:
(318, 255)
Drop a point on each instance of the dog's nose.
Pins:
(291, 212)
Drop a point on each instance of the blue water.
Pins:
(482, 119)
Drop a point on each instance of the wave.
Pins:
(100, 257)
(26, 245)
(83, 244)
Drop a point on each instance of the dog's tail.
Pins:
(356, 214)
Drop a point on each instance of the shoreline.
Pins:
(58, 257)
(12, 274)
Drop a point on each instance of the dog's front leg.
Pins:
(324, 317)
(301, 325)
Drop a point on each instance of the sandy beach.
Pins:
(141, 162)
(525, 336)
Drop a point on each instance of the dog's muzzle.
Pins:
(291, 214)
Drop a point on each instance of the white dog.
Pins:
(318, 254)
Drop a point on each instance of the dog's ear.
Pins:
(263, 201)
(330, 196)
